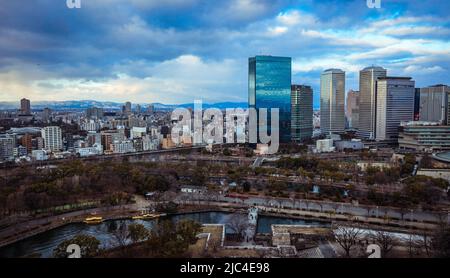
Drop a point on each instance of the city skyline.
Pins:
(230, 129)
(149, 56)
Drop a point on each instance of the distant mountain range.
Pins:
(83, 104)
(108, 105)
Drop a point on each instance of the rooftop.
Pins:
(395, 78)
(374, 68)
(333, 71)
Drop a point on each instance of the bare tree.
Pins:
(321, 207)
(307, 203)
(238, 224)
(440, 241)
(424, 243)
(120, 238)
(385, 240)
(347, 237)
(335, 207)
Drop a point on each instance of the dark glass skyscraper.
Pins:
(269, 86)
(302, 112)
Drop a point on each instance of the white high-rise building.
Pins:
(332, 101)
(52, 138)
(7, 144)
(395, 104)
(367, 101)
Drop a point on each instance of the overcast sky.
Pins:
(176, 51)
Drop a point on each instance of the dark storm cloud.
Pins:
(112, 42)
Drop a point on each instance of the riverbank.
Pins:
(31, 228)
(401, 226)
(38, 226)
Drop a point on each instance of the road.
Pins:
(339, 208)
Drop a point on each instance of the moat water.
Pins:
(46, 242)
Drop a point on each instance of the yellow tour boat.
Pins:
(93, 220)
(145, 216)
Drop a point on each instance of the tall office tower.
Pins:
(94, 112)
(434, 104)
(395, 104)
(46, 115)
(25, 106)
(52, 138)
(367, 101)
(138, 109)
(332, 101)
(417, 104)
(269, 86)
(352, 109)
(301, 112)
(127, 108)
(448, 110)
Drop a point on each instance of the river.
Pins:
(44, 243)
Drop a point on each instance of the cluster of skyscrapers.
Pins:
(377, 111)
(385, 105)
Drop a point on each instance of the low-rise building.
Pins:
(354, 144)
(149, 144)
(96, 149)
(167, 143)
(39, 155)
(138, 132)
(193, 189)
(122, 147)
(435, 173)
(325, 146)
(20, 151)
(424, 136)
(363, 165)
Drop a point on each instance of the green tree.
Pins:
(154, 183)
(408, 164)
(226, 152)
(198, 177)
(424, 189)
(426, 162)
(137, 232)
(169, 240)
(89, 246)
(246, 186)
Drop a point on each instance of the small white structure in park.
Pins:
(324, 146)
(253, 216)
